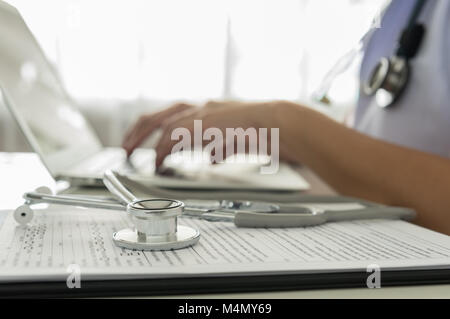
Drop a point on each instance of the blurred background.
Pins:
(121, 58)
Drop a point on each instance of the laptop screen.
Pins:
(55, 128)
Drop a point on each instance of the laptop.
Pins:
(65, 141)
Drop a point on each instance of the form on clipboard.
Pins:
(44, 250)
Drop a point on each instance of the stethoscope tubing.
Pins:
(33, 198)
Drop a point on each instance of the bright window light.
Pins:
(196, 49)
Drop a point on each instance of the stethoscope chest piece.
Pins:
(156, 227)
(388, 81)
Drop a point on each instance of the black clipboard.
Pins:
(220, 284)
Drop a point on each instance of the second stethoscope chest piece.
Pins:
(388, 80)
(390, 77)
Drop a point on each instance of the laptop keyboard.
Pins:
(115, 159)
(100, 162)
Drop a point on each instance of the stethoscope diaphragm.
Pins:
(155, 227)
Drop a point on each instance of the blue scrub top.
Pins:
(421, 118)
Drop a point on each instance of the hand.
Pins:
(220, 115)
(147, 124)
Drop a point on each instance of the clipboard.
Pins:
(177, 286)
(222, 282)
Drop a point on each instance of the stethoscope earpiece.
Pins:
(23, 215)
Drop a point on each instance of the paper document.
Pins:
(61, 236)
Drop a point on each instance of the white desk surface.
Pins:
(22, 172)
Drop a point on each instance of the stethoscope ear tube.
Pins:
(318, 217)
(113, 184)
(259, 220)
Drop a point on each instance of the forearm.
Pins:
(357, 165)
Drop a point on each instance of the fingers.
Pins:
(166, 144)
(147, 124)
(218, 115)
(138, 133)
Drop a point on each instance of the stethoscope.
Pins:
(155, 220)
(390, 77)
(155, 226)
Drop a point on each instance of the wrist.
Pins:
(295, 123)
(291, 117)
